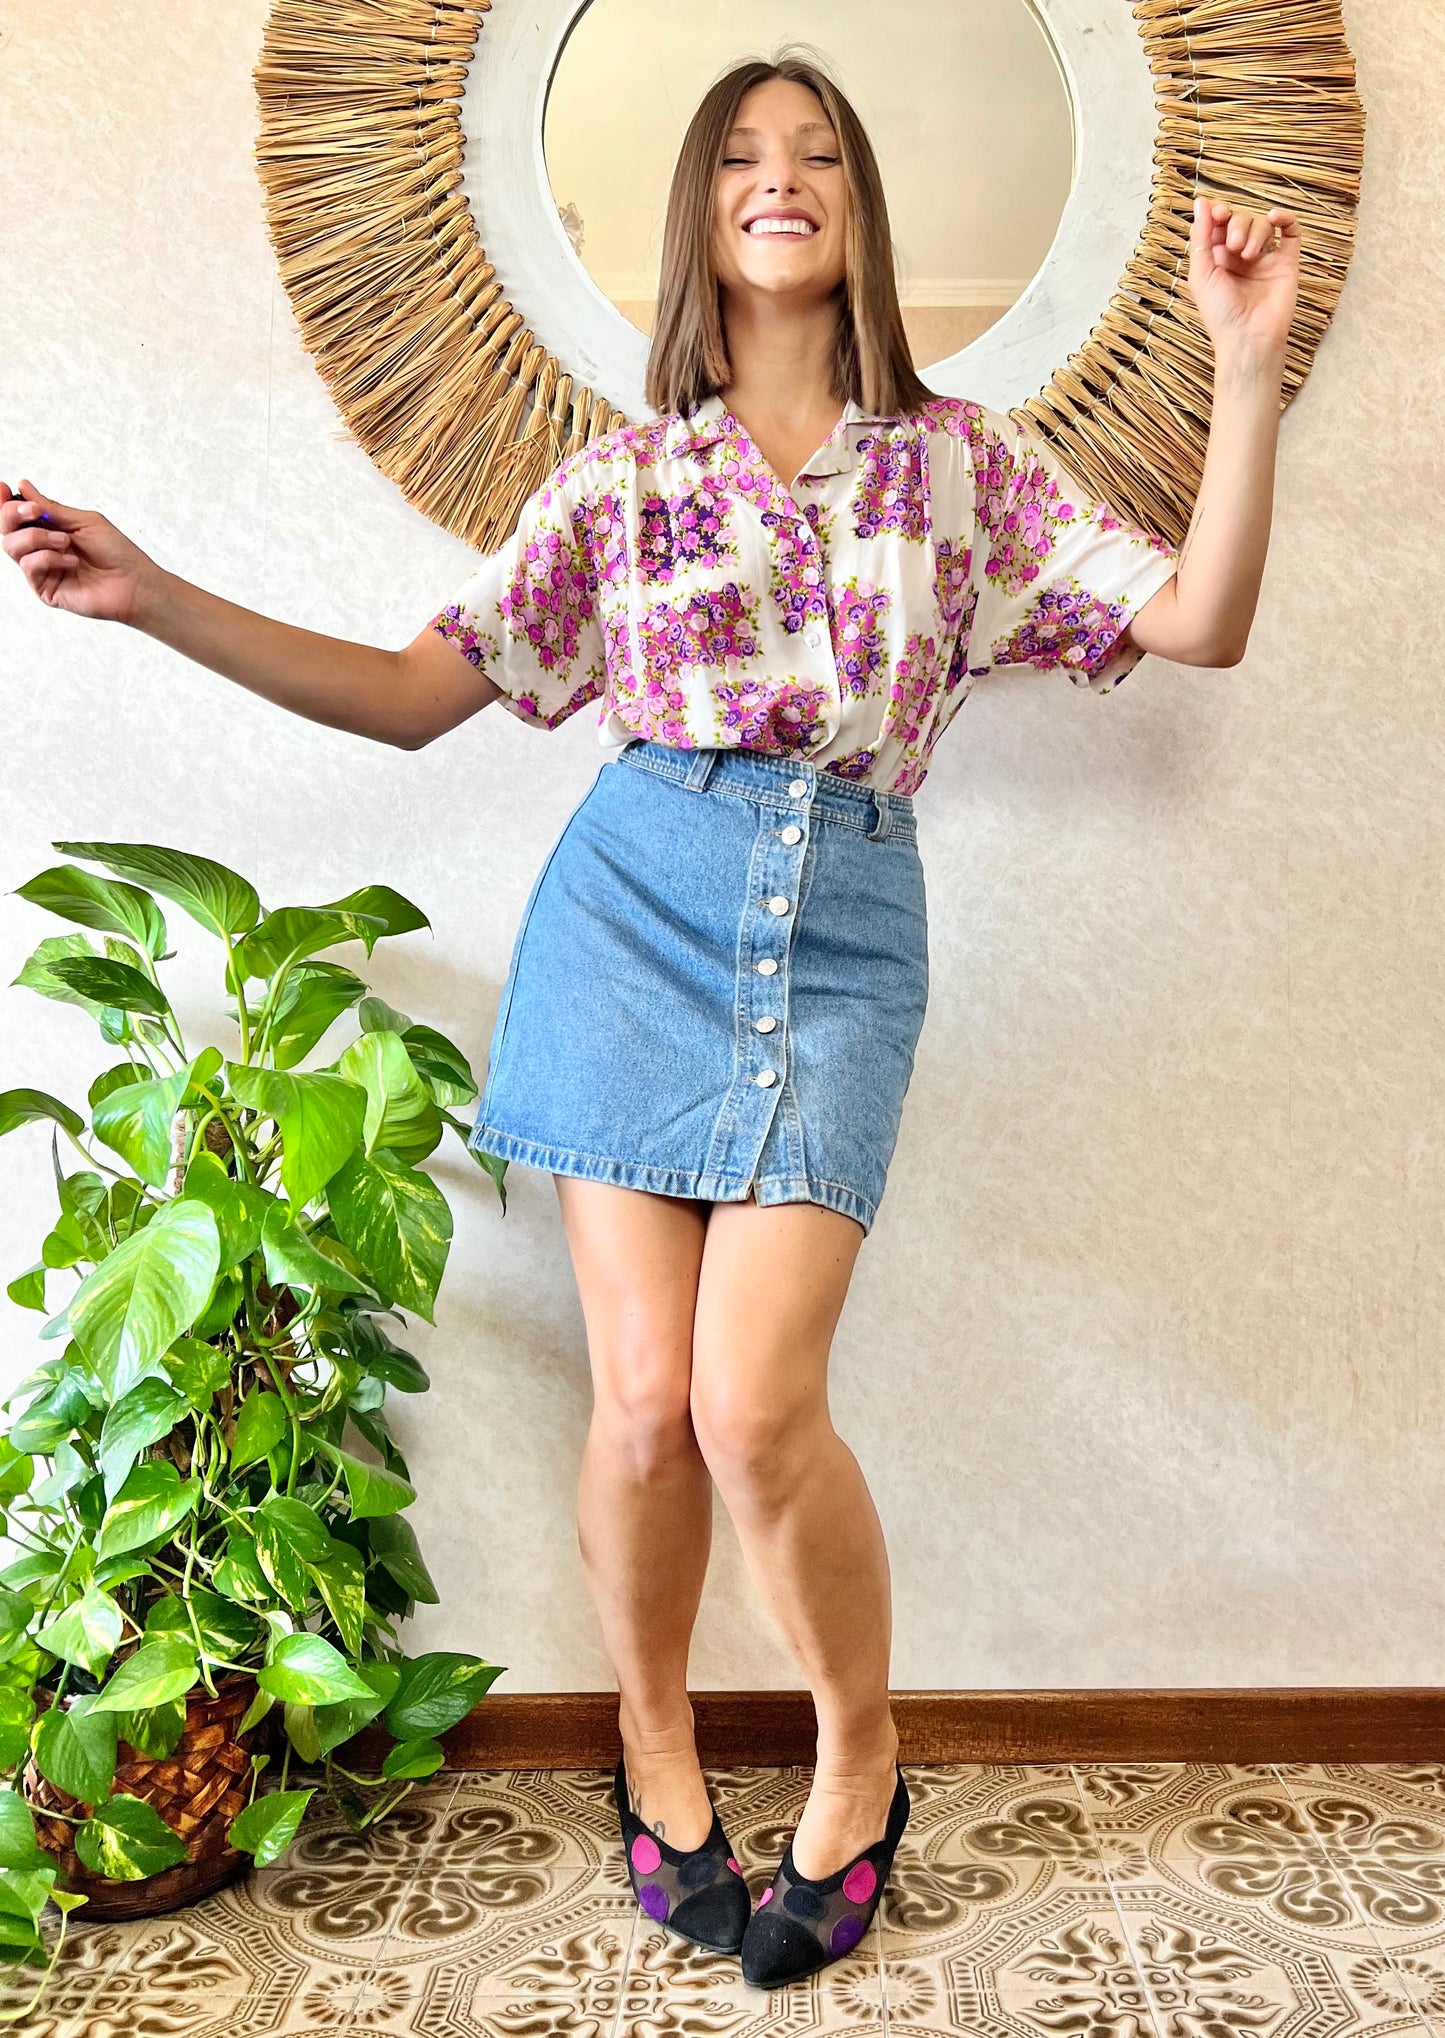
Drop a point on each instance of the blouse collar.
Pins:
(709, 422)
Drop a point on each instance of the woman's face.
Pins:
(778, 214)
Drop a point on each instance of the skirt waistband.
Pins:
(791, 784)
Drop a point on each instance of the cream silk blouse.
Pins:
(665, 572)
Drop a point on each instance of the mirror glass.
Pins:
(964, 101)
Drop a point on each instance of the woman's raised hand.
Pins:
(1244, 273)
(78, 561)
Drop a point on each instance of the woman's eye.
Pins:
(822, 159)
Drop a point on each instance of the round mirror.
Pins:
(964, 100)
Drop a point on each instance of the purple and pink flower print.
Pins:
(549, 600)
(1068, 626)
(1034, 571)
(891, 493)
(682, 531)
(717, 628)
(776, 716)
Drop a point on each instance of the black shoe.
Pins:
(801, 1925)
(699, 1892)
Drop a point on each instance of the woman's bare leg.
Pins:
(770, 1291)
(644, 1497)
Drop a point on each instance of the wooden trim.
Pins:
(1363, 1723)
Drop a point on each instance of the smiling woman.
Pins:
(965, 102)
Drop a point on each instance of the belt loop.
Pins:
(700, 770)
(879, 831)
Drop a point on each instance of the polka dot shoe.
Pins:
(699, 1893)
(801, 1925)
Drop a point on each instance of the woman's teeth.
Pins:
(781, 226)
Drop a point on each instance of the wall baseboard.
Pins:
(1310, 1723)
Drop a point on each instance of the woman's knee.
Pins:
(641, 1400)
(752, 1425)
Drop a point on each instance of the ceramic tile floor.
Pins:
(1129, 1901)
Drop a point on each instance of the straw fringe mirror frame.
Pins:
(450, 393)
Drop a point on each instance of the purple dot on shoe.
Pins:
(847, 1932)
(653, 1899)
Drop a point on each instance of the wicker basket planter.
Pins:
(197, 1790)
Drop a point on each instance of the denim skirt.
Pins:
(717, 986)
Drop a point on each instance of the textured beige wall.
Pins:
(1143, 1358)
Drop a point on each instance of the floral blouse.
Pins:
(665, 572)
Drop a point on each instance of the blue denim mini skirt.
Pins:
(717, 986)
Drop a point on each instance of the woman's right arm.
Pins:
(81, 563)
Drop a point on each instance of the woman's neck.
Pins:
(782, 367)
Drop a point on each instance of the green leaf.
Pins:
(314, 997)
(307, 1670)
(441, 1063)
(99, 902)
(19, 1847)
(23, 1107)
(159, 1671)
(373, 1490)
(227, 1630)
(321, 1119)
(373, 1347)
(394, 1546)
(376, 1016)
(148, 1412)
(128, 1840)
(299, 1722)
(221, 901)
(24, 1893)
(51, 1417)
(260, 1426)
(294, 1261)
(240, 1577)
(401, 1113)
(289, 1537)
(291, 934)
(152, 1502)
(17, 1710)
(436, 1691)
(220, 1311)
(27, 1290)
(136, 1303)
(414, 1758)
(35, 975)
(134, 1120)
(117, 984)
(155, 1730)
(341, 1581)
(75, 1749)
(238, 1207)
(87, 1632)
(379, 902)
(199, 1370)
(337, 1723)
(267, 1827)
(15, 1615)
(397, 1222)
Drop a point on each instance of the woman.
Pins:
(780, 593)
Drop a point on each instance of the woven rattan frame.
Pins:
(444, 386)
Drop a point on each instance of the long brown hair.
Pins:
(688, 360)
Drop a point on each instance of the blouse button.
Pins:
(766, 1025)
(768, 967)
(791, 835)
(778, 905)
(812, 639)
(765, 1078)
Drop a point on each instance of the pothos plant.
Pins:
(200, 1479)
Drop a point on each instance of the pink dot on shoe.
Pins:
(860, 1882)
(737, 1866)
(766, 1897)
(646, 1854)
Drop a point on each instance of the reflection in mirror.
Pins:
(964, 101)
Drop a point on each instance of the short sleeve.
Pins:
(1059, 576)
(527, 617)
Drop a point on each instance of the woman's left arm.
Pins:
(1244, 276)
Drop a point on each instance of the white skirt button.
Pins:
(792, 835)
(768, 967)
(767, 1025)
(778, 905)
(797, 787)
(766, 1078)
